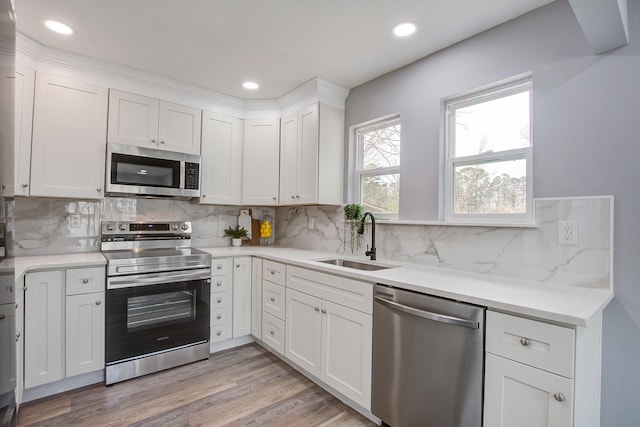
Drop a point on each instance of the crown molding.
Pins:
(54, 61)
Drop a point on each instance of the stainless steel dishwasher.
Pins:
(428, 360)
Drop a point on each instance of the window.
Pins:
(377, 171)
(488, 155)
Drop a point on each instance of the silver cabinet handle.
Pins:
(273, 272)
(293, 197)
(525, 342)
(98, 302)
(559, 397)
(324, 311)
(99, 189)
(219, 316)
(203, 196)
(219, 283)
(316, 308)
(272, 299)
(17, 336)
(218, 333)
(25, 185)
(237, 265)
(85, 281)
(219, 300)
(442, 318)
(153, 141)
(274, 199)
(271, 333)
(219, 266)
(161, 141)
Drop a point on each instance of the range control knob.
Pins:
(174, 227)
(122, 227)
(110, 227)
(185, 227)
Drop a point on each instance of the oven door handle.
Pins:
(157, 279)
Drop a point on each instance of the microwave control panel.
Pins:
(191, 176)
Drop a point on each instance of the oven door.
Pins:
(156, 312)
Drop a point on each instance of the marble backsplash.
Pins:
(524, 253)
(55, 226)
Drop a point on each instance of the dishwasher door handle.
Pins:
(442, 318)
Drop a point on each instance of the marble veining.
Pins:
(524, 253)
(55, 226)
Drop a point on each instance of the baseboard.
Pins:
(231, 343)
(65, 384)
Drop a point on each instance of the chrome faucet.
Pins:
(370, 253)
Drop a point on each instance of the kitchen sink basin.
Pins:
(340, 262)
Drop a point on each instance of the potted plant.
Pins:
(352, 217)
(237, 234)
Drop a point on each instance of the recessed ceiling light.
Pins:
(404, 29)
(250, 85)
(59, 27)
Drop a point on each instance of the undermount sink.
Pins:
(340, 262)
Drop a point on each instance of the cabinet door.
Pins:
(241, 296)
(7, 352)
(346, 352)
(221, 159)
(179, 128)
(260, 164)
(133, 119)
(7, 122)
(308, 155)
(289, 160)
(84, 333)
(519, 395)
(68, 147)
(256, 297)
(25, 81)
(44, 328)
(303, 331)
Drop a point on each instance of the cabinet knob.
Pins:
(153, 141)
(219, 266)
(274, 199)
(293, 197)
(219, 300)
(218, 333)
(161, 141)
(98, 302)
(559, 397)
(85, 281)
(219, 283)
(272, 299)
(219, 316)
(525, 342)
(25, 185)
(4, 186)
(1, 316)
(271, 333)
(297, 197)
(237, 265)
(316, 308)
(324, 311)
(99, 190)
(272, 272)
(204, 196)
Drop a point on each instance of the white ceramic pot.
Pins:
(236, 242)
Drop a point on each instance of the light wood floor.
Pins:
(246, 386)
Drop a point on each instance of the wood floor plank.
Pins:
(245, 386)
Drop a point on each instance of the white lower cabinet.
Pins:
(230, 315)
(84, 333)
(241, 296)
(327, 339)
(541, 374)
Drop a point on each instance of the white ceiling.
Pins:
(217, 44)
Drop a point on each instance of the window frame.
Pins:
(359, 173)
(491, 92)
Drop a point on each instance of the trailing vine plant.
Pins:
(352, 217)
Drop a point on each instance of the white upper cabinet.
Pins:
(68, 143)
(260, 166)
(152, 123)
(221, 159)
(25, 82)
(311, 156)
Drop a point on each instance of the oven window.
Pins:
(149, 311)
(145, 171)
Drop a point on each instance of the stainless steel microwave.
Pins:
(138, 171)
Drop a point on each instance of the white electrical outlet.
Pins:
(568, 233)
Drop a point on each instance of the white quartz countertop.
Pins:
(559, 303)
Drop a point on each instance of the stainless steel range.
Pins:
(158, 287)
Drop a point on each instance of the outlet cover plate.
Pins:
(568, 233)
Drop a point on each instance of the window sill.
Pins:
(456, 224)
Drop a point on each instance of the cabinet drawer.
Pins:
(273, 332)
(273, 272)
(221, 266)
(340, 290)
(219, 300)
(219, 316)
(538, 344)
(273, 299)
(85, 280)
(220, 333)
(220, 283)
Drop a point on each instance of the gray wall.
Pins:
(586, 120)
